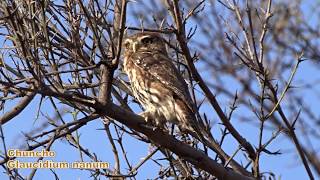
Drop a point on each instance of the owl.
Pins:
(156, 83)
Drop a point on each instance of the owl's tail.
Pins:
(188, 121)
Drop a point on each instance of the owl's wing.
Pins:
(161, 68)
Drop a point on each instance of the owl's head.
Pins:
(145, 41)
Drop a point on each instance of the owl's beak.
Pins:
(134, 46)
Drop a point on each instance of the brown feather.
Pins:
(156, 82)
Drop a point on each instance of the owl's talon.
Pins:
(146, 115)
(148, 126)
(153, 128)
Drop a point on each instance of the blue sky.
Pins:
(286, 165)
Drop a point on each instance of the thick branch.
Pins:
(195, 157)
(107, 70)
(157, 136)
(18, 108)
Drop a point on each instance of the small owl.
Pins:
(155, 81)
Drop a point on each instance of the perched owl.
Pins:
(156, 83)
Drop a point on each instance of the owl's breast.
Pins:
(152, 94)
(126, 63)
(147, 90)
(137, 79)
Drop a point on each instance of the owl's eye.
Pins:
(127, 44)
(147, 40)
